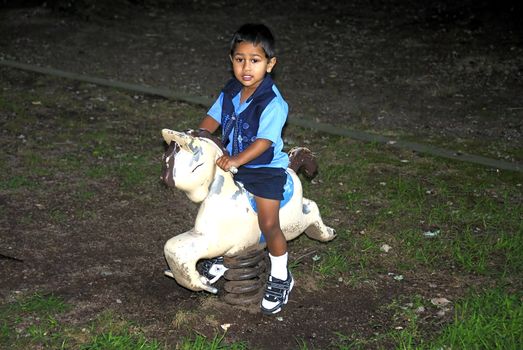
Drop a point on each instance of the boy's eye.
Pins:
(241, 60)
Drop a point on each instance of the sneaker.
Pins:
(276, 294)
(213, 269)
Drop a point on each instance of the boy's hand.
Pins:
(226, 162)
(256, 148)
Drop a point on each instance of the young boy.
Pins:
(252, 113)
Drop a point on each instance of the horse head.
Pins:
(189, 163)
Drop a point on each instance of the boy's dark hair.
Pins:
(255, 33)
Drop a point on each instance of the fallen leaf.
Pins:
(440, 301)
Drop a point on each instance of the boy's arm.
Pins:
(254, 150)
(208, 123)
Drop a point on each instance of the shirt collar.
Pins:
(233, 87)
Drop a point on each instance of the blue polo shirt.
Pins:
(272, 120)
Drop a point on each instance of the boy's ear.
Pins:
(271, 64)
(230, 57)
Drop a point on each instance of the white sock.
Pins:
(279, 266)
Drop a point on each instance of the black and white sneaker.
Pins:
(276, 294)
(213, 269)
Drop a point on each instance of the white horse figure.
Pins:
(226, 223)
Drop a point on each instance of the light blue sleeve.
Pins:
(216, 109)
(272, 120)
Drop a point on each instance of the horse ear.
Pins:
(182, 139)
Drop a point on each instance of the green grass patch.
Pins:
(17, 182)
(122, 341)
(489, 320)
(31, 322)
(34, 323)
(477, 217)
(201, 342)
(331, 262)
(135, 171)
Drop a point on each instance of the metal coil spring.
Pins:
(245, 277)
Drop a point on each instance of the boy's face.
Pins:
(250, 64)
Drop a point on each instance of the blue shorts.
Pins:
(263, 182)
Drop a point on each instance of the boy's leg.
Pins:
(269, 221)
(280, 282)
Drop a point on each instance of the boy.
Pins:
(252, 113)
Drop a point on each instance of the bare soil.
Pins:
(441, 70)
(433, 70)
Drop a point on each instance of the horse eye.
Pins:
(199, 165)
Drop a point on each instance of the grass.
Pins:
(475, 217)
(28, 322)
(488, 320)
(36, 322)
(123, 341)
(201, 342)
(331, 262)
(476, 223)
(438, 217)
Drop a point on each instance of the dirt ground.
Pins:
(438, 71)
(433, 70)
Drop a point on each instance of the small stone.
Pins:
(431, 233)
(385, 248)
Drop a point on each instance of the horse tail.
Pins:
(302, 159)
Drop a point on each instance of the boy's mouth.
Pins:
(247, 77)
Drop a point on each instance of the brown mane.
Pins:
(302, 158)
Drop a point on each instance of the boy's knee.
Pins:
(270, 227)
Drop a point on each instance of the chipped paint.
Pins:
(217, 184)
(306, 209)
